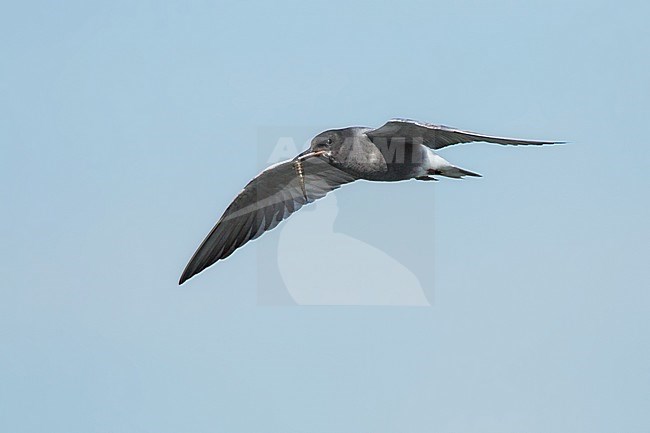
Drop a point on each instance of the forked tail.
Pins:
(437, 165)
(453, 171)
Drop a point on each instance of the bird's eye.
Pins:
(329, 141)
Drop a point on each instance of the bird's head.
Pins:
(324, 144)
(327, 141)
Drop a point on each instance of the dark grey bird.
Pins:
(399, 150)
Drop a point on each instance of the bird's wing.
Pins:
(270, 197)
(438, 136)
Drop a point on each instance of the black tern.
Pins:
(401, 149)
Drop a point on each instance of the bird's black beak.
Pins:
(309, 154)
(303, 155)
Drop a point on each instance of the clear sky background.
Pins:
(127, 127)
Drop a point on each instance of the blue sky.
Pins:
(126, 128)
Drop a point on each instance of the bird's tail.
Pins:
(455, 172)
(437, 165)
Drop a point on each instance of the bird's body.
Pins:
(387, 159)
(364, 159)
(399, 150)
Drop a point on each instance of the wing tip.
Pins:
(188, 273)
(551, 143)
(184, 278)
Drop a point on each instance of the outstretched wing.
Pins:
(270, 197)
(439, 136)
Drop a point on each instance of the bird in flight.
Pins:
(401, 149)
